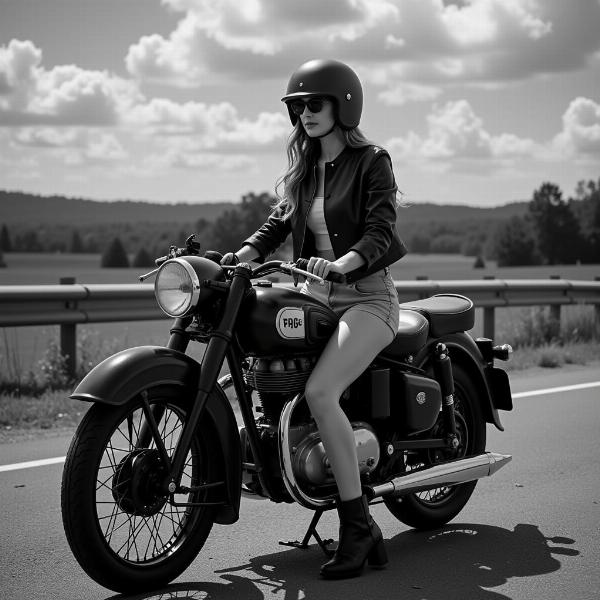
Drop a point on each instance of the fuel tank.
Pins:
(275, 321)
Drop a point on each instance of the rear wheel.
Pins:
(125, 532)
(434, 508)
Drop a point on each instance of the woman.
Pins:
(338, 201)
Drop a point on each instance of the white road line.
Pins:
(33, 463)
(557, 390)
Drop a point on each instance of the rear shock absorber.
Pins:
(443, 373)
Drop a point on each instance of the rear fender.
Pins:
(464, 351)
(124, 375)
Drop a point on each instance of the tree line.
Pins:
(551, 230)
(554, 230)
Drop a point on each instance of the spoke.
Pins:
(113, 518)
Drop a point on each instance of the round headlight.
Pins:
(177, 288)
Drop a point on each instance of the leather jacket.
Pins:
(360, 213)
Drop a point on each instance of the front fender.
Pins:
(124, 375)
(464, 351)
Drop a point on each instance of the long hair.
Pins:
(302, 154)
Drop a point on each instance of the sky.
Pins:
(478, 101)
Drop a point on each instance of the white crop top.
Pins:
(316, 223)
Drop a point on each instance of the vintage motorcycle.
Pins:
(159, 456)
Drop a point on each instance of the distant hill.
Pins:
(17, 208)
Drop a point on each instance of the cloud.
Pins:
(396, 44)
(455, 132)
(91, 115)
(63, 95)
(409, 92)
(580, 135)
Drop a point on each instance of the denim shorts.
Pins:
(374, 294)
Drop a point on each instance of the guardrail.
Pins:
(70, 304)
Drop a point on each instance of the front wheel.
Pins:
(125, 532)
(434, 508)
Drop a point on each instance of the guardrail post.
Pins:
(68, 337)
(555, 313)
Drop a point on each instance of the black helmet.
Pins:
(328, 78)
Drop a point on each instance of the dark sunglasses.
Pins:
(315, 105)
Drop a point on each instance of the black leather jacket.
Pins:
(360, 212)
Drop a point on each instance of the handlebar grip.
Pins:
(159, 261)
(334, 276)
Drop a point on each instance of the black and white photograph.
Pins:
(299, 299)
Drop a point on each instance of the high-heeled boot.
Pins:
(360, 541)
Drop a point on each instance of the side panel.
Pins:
(125, 374)
(464, 351)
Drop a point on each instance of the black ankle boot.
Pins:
(360, 540)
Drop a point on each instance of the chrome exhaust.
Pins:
(443, 475)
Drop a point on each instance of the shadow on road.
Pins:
(456, 561)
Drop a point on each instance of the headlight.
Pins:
(177, 288)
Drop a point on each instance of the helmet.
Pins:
(328, 78)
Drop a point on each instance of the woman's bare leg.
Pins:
(358, 338)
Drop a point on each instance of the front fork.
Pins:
(442, 367)
(214, 356)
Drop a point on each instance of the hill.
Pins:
(18, 209)
(21, 209)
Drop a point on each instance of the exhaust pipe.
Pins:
(443, 475)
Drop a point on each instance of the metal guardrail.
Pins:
(71, 304)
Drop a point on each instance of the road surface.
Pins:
(531, 531)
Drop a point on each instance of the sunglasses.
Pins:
(315, 105)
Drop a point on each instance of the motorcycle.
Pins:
(159, 457)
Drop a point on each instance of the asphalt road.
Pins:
(529, 532)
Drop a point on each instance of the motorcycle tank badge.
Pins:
(290, 323)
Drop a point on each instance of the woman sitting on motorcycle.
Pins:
(338, 201)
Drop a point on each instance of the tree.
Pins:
(514, 244)
(77, 246)
(2, 263)
(586, 205)
(143, 259)
(557, 230)
(29, 242)
(5, 243)
(115, 256)
(231, 228)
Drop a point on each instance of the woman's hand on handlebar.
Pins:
(323, 268)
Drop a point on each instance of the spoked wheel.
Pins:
(125, 531)
(434, 508)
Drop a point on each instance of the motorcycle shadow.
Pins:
(456, 561)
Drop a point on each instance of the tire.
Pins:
(128, 536)
(433, 508)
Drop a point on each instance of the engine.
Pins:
(278, 380)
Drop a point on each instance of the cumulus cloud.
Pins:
(63, 95)
(394, 43)
(212, 126)
(73, 109)
(580, 135)
(455, 132)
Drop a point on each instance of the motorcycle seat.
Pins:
(446, 313)
(411, 337)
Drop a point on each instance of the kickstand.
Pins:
(312, 532)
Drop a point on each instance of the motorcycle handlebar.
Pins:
(334, 276)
